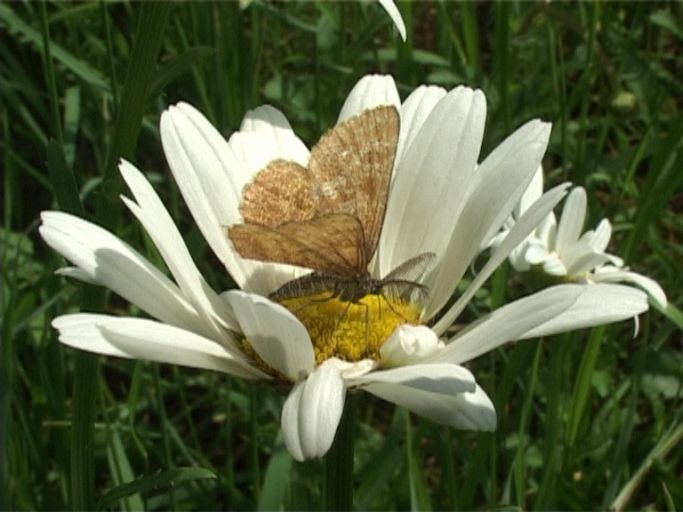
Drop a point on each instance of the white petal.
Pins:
(76, 273)
(518, 259)
(519, 232)
(613, 275)
(508, 323)
(499, 237)
(275, 334)
(495, 188)
(312, 411)
(441, 378)
(572, 220)
(596, 305)
(139, 338)
(554, 266)
(409, 344)
(434, 171)
(156, 220)
(211, 177)
(352, 370)
(104, 259)
(276, 139)
(603, 233)
(527, 144)
(536, 253)
(547, 231)
(414, 111)
(556, 309)
(395, 16)
(204, 167)
(533, 192)
(467, 411)
(369, 92)
(581, 259)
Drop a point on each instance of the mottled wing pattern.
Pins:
(280, 193)
(351, 166)
(412, 269)
(408, 291)
(331, 244)
(402, 281)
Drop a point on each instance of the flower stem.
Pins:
(338, 484)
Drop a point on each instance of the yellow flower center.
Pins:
(351, 331)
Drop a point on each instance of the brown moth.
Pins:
(328, 217)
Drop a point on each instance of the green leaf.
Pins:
(276, 482)
(179, 65)
(170, 477)
(665, 178)
(72, 119)
(121, 470)
(672, 313)
(62, 179)
(665, 20)
(419, 494)
(148, 37)
(16, 26)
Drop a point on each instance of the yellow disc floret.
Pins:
(351, 330)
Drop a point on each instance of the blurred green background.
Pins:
(588, 420)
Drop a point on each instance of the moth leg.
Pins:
(394, 311)
(367, 324)
(341, 317)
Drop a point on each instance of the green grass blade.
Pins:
(519, 475)
(338, 463)
(377, 471)
(419, 493)
(628, 423)
(665, 445)
(63, 181)
(72, 120)
(583, 384)
(50, 75)
(82, 433)
(276, 482)
(470, 31)
(168, 478)
(667, 177)
(672, 313)
(179, 65)
(134, 97)
(110, 52)
(18, 27)
(121, 470)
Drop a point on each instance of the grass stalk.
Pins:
(338, 473)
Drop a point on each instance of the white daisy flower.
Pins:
(562, 251)
(442, 200)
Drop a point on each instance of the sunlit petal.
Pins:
(154, 341)
(274, 333)
(312, 412)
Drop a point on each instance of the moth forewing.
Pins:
(331, 213)
(328, 244)
(352, 166)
